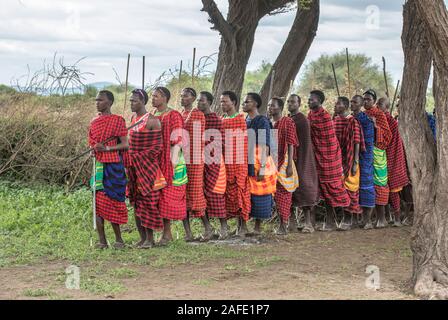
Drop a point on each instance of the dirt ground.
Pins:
(317, 266)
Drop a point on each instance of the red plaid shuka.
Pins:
(144, 151)
(326, 146)
(238, 189)
(216, 203)
(287, 135)
(171, 121)
(396, 159)
(349, 133)
(111, 210)
(354, 206)
(382, 195)
(172, 203)
(328, 159)
(102, 128)
(283, 201)
(383, 135)
(196, 203)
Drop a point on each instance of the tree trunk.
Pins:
(237, 39)
(235, 54)
(293, 53)
(429, 234)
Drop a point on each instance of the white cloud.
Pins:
(166, 32)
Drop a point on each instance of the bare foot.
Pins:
(381, 224)
(189, 238)
(223, 234)
(368, 226)
(209, 234)
(147, 245)
(397, 224)
(281, 231)
(139, 244)
(163, 242)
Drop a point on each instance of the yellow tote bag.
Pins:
(289, 183)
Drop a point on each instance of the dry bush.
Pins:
(41, 135)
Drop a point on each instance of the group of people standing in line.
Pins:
(195, 163)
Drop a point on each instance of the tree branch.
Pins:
(217, 20)
(273, 6)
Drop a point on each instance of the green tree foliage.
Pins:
(90, 91)
(254, 80)
(364, 74)
(6, 90)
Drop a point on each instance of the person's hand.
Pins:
(374, 122)
(354, 168)
(99, 147)
(289, 171)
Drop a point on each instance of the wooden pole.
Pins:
(385, 77)
(395, 98)
(94, 193)
(348, 73)
(126, 84)
(194, 63)
(143, 74)
(271, 87)
(335, 79)
(180, 70)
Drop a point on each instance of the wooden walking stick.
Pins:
(335, 79)
(180, 70)
(385, 77)
(94, 193)
(143, 74)
(126, 84)
(348, 73)
(194, 62)
(271, 87)
(395, 98)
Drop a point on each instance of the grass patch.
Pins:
(36, 293)
(123, 273)
(101, 286)
(267, 261)
(39, 223)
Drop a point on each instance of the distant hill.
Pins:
(101, 85)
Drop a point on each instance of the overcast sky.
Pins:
(165, 31)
